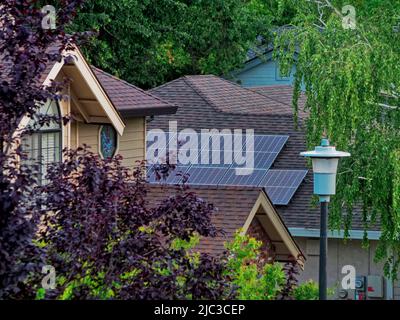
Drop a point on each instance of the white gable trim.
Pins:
(97, 90)
(278, 224)
(93, 84)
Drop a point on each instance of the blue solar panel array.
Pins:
(266, 149)
(280, 185)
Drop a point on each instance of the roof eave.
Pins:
(152, 111)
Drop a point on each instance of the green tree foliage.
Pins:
(253, 280)
(309, 291)
(352, 83)
(149, 42)
(306, 291)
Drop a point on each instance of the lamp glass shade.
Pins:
(322, 165)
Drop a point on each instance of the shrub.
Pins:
(252, 280)
(105, 241)
(306, 291)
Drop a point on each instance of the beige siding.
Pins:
(131, 144)
(89, 134)
(73, 140)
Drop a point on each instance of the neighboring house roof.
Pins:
(212, 102)
(260, 66)
(235, 208)
(226, 97)
(131, 100)
(263, 46)
(283, 94)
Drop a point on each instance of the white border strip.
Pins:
(353, 234)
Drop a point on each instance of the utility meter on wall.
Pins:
(359, 293)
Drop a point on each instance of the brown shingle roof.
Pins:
(283, 94)
(226, 96)
(268, 112)
(131, 100)
(232, 205)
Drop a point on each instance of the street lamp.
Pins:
(325, 159)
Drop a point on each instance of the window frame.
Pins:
(99, 141)
(39, 134)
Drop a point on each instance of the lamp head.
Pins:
(325, 159)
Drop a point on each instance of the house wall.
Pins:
(263, 74)
(339, 255)
(131, 145)
(396, 290)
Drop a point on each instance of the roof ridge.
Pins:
(249, 90)
(200, 94)
(235, 85)
(132, 85)
(276, 86)
(165, 84)
(189, 81)
(286, 104)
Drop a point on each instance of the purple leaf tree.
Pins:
(25, 53)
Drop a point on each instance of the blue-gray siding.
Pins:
(263, 71)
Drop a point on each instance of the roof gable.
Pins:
(235, 208)
(77, 67)
(85, 71)
(126, 98)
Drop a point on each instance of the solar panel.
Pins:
(269, 143)
(219, 142)
(201, 175)
(215, 158)
(174, 177)
(232, 178)
(279, 184)
(262, 160)
(265, 150)
(282, 184)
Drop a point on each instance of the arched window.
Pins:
(108, 141)
(44, 146)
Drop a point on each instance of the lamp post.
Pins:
(325, 159)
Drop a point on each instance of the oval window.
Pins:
(108, 141)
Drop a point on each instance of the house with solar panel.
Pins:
(280, 175)
(109, 115)
(271, 203)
